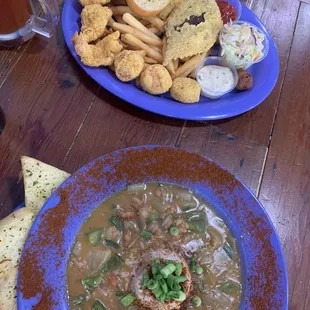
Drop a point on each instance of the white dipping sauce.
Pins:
(215, 80)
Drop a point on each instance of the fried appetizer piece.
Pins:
(88, 2)
(128, 65)
(192, 28)
(155, 79)
(245, 80)
(185, 90)
(94, 19)
(101, 54)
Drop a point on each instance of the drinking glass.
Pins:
(19, 21)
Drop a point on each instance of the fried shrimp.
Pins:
(128, 65)
(88, 2)
(185, 90)
(155, 79)
(101, 54)
(94, 19)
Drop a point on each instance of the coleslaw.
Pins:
(242, 44)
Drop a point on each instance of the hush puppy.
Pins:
(185, 90)
(155, 79)
(128, 65)
(245, 81)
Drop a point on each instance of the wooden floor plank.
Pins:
(8, 59)
(279, 17)
(45, 99)
(244, 159)
(285, 190)
(113, 124)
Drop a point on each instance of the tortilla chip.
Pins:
(13, 233)
(40, 181)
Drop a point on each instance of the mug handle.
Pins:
(46, 26)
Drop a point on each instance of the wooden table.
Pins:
(57, 114)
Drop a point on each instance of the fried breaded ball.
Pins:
(185, 90)
(245, 80)
(101, 54)
(155, 79)
(128, 65)
(88, 2)
(94, 19)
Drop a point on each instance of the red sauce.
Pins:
(227, 11)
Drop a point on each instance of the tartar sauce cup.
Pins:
(215, 61)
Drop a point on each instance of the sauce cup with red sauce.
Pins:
(231, 10)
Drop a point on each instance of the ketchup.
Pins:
(227, 11)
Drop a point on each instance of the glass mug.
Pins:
(19, 22)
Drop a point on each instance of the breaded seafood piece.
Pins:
(94, 19)
(192, 28)
(185, 90)
(145, 298)
(128, 65)
(155, 79)
(88, 2)
(101, 54)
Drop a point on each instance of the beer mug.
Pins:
(19, 22)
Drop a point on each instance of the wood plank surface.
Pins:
(279, 17)
(112, 124)
(8, 59)
(243, 158)
(45, 99)
(285, 190)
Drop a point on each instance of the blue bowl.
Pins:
(42, 278)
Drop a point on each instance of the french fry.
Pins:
(120, 10)
(154, 30)
(156, 48)
(137, 33)
(132, 21)
(119, 19)
(189, 64)
(175, 64)
(193, 74)
(150, 61)
(141, 52)
(188, 71)
(156, 22)
(170, 68)
(133, 41)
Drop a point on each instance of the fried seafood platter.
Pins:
(153, 47)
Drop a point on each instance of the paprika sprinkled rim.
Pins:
(42, 278)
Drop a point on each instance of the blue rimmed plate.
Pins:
(42, 275)
(265, 75)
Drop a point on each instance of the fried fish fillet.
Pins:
(192, 28)
(94, 19)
